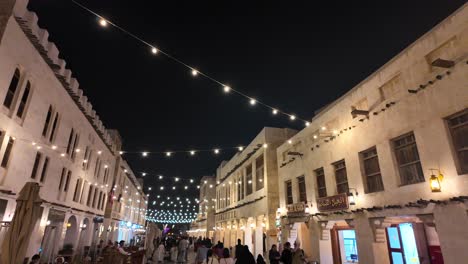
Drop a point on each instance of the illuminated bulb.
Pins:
(162, 188)
(103, 22)
(62, 155)
(205, 182)
(275, 111)
(292, 117)
(144, 154)
(38, 147)
(143, 174)
(217, 182)
(290, 141)
(160, 177)
(227, 89)
(125, 170)
(315, 136)
(168, 154)
(176, 179)
(265, 145)
(192, 152)
(307, 124)
(335, 132)
(211, 186)
(241, 148)
(154, 50)
(33, 143)
(253, 101)
(85, 161)
(105, 166)
(186, 187)
(54, 147)
(173, 187)
(99, 152)
(194, 72)
(191, 180)
(323, 128)
(198, 186)
(216, 151)
(121, 152)
(230, 182)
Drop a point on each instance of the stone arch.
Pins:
(71, 235)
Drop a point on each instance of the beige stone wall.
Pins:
(385, 93)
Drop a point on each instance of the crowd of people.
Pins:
(175, 250)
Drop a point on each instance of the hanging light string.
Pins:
(195, 72)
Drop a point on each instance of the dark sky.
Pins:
(296, 55)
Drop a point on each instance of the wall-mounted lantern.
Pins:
(435, 181)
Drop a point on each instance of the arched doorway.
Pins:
(71, 235)
(84, 235)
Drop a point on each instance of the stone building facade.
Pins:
(361, 182)
(205, 221)
(247, 193)
(50, 134)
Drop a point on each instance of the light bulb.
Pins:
(275, 111)
(292, 117)
(194, 72)
(241, 148)
(265, 145)
(253, 101)
(216, 151)
(192, 152)
(103, 22)
(290, 141)
(54, 147)
(121, 152)
(168, 154)
(315, 136)
(143, 174)
(154, 50)
(176, 179)
(307, 124)
(323, 128)
(226, 89)
(160, 177)
(144, 154)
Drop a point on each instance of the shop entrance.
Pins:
(344, 245)
(407, 244)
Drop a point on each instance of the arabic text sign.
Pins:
(332, 203)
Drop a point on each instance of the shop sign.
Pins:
(297, 208)
(332, 203)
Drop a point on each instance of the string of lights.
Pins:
(104, 22)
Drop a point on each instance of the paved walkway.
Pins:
(191, 258)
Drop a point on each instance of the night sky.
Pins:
(295, 55)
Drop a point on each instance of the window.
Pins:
(106, 174)
(6, 156)
(23, 101)
(248, 179)
(99, 201)
(44, 169)
(458, 125)
(76, 193)
(47, 121)
(302, 189)
(371, 167)
(90, 194)
(10, 95)
(97, 168)
(238, 183)
(341, 177)
(407, 156)
(289, 195)
(86, 158)
(54, 128)
(62, 178)
(94, 199)
(259, 173)
(70, 141)
(67, 182)
(75, 146)
(321, 186)
(36, 165)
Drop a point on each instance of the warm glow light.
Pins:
(315, 136)
(241, 148)
(103, 22)
(160, 176)
(191, 180)
(435, 184)
(211, 186)
(176, 179)
(275, 111)
(144, 154)
(335, 132)
(186, 187)
(226, 89)
(323, 128)
(265, 145)
(143, 174)
(253, 101)
(290, 141)
(154, 50)
(198, 186)
(216, 151)
(307, 124)
(292, 117)
(99, 152)
(54, 147)
(162, 188)
(168, 154)
(38, 147)
(121, 152)
(194, 72)
(192, 152)
(77, 150)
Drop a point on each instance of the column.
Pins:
(248, 237)
(364, 238)
(314, 233)
(451, 221)
(258, 248)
